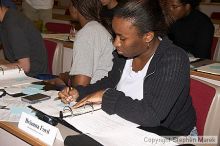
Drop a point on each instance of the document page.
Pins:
(13, 77)
(131, 136)
(98, 122)
(112, 130)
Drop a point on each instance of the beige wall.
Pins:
(208, 8)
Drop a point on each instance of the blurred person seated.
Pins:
(108, 10)
(22, 42)
(9, 3)
(192, 30)
(39, 11)
(92, 50)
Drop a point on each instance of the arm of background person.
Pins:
(80, 80)
(24, 63)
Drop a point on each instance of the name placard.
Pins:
(37, 128)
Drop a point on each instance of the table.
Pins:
(62, 17)
(11, 135)
(64, 53)
(212, 126)
(67, 48)
(201, 74)
(16, 135)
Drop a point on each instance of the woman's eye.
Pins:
(122, 39)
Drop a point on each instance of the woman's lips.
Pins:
(119, 51)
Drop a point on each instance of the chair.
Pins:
(54, 27)
(202, 96)
(206, 101)
(51, 47)
(215, 15)
(213, 48)
(55, 56)
(67, 12)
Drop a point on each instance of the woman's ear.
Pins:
(188, 8)
(148, 37)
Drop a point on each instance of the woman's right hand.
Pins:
(68, 95)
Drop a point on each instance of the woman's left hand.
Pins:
(95, 97)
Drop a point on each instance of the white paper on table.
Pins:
(16, 107)
(113, 130)
(131, 136)
(14, 76)
(98, 122)
(50, 107)
(53, 107)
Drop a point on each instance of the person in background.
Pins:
(92, 50)
(9, 3)
(192, 30)
(22, 42)
(150, 78)
(109, 7)
(107, 12)
(38, 10)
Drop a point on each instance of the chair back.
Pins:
(54, 27)
(215, 15)
(213, 48)
(202, 96)
(51, 47)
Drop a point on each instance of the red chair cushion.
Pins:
(51, 47)
(202, 95)
(58, 27)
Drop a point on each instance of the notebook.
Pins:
(14, 76)
(213, 68)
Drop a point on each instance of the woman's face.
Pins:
(127, 42)
(73, 12)
(178, 9)
(105, 2)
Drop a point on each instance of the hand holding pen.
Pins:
(68, 94)
(95, 98)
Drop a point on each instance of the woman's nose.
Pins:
(117, 42)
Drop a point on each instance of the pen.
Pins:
(69, 86)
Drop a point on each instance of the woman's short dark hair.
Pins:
(146, 15)
(90, 9)
(193, 3)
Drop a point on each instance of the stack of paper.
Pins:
(14, 77)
